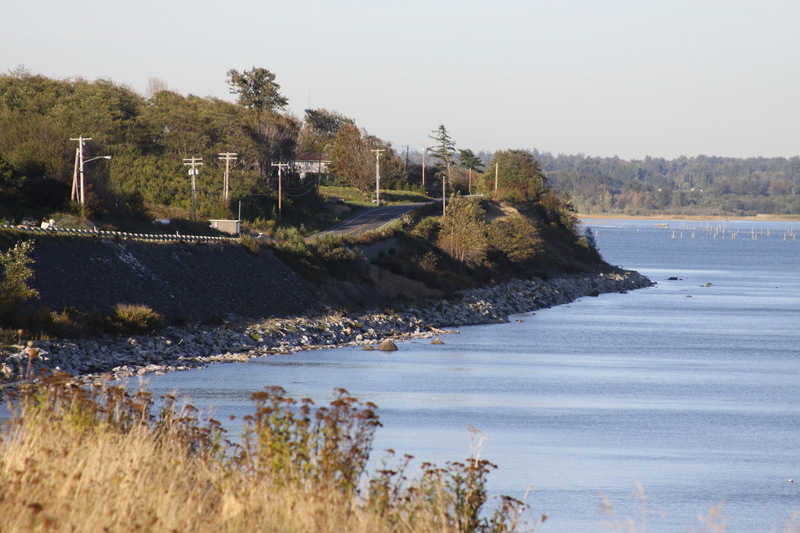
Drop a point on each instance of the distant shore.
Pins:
(754, 218)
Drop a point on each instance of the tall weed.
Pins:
(77, 457)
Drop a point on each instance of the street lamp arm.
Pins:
(98, 157)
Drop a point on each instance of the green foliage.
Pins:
(319, 130)
(352, 163)
(128, 319)
(318, 259)
(292, 446)
(463, 233)
(588, 241)
(445, 148)
(14, 288)
(701, 185)
(516, 237)
(519, 177)
(428, 228)
(249, 242)
(256, 89)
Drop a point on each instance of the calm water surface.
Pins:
(689, 388)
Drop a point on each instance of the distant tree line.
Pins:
(701, 185)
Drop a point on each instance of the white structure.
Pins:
(311, 163)
(234, 227)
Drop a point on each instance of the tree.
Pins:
(516, 237)
(519, 176)
(463, 233)
(14, 288)
(445, 148)
(319, 129)
(468, 160)
(256, 89)
(444, 151)
(351, 160)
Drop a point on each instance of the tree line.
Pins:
(701, 185)
(149, 135)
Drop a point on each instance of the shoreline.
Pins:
(174, 349)
(696, 218)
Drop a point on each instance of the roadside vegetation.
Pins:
(102, 458)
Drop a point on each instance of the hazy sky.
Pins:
(618, 77)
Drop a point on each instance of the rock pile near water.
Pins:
(194, 347)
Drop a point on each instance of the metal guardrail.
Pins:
(149, 237)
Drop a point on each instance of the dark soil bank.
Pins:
(195, 282)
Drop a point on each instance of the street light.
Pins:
(79, 163)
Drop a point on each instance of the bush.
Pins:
(14, 288)
(127, 319)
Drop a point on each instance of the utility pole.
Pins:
(74, 196)
(423, 168)
(444, 191)
(406, 147)
(228, 157)
(280, 186)
(77, 187)
(377, 175)
(496, 165)
(193, 163)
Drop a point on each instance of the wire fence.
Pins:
(151, 237)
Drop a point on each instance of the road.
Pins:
(371, 219)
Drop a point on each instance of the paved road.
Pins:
(371, 219)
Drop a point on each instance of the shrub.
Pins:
(249, 242)
(130, 319)
(14, 288)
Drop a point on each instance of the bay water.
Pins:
(689, 389)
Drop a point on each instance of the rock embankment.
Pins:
(195, 347)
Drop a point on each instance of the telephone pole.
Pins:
(423, 169)
(227, 157)
(77, 187)
(193, 163)
(496, 167)
(378, 175)
(280, 186)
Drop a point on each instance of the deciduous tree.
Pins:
(256, 89)
(519, 176)
(463, 233)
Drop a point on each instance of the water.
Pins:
(689, 388)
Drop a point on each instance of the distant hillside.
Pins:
(699, 185)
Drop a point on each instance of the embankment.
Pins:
(194, 347)
(190, 282)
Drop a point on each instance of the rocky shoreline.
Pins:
(175, 349)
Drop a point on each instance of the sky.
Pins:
(626, 78)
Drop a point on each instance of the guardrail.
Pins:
(150, 237)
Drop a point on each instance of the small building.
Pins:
(234, 227)
(311, 163)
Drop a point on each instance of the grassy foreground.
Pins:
(102, 458)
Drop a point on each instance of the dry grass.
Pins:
(76, 458)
